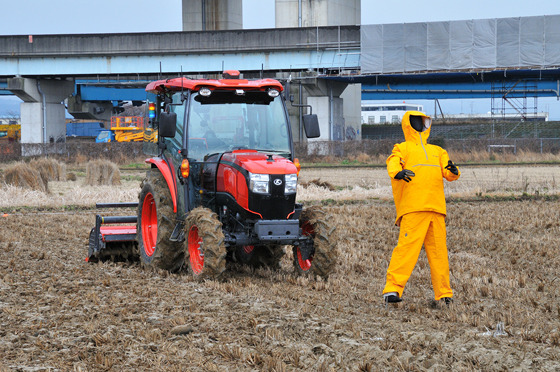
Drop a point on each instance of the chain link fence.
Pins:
(313, 151)
(451, 137)
(482, 129)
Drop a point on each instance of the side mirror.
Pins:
(311, 126)
(167, 124)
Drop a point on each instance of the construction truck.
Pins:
(127, 129)
(221, 187)
(83, 129)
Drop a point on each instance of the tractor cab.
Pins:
(215, 129)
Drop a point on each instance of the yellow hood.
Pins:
(410, 134)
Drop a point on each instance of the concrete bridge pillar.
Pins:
(324, 98)
(42, 109)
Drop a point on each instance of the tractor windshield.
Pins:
(227, 121)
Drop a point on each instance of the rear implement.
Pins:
(111, 239)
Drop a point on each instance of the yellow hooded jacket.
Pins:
(425, 191)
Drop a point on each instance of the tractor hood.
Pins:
(236, 175)
(258, 162)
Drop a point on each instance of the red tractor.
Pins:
(222, 186)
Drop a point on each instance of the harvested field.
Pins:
(58, 312)
(368, 182)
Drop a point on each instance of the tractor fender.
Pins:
(166, 171)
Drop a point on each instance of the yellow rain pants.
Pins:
(419, 228)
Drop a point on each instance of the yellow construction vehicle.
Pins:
(128, 128)
(132, 129)
(10, 132)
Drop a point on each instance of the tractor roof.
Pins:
(230, 83)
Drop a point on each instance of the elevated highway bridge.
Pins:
(512, 57)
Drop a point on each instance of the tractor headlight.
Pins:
(259, 183)
(290, 183)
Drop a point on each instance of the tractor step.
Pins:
(110, 239)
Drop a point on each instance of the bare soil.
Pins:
(58, 312)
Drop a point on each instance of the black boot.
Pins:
(392, 299)
(448, 300)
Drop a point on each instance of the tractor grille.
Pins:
(276, 205)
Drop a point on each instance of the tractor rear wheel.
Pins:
(205, 249)
(321, 261)
(156, 221)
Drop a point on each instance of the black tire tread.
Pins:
(213, 242)
(326, 255)
(168, 255)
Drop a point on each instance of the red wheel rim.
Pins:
(307, 230)
(196, 257)
(303, 264)
(149, 224)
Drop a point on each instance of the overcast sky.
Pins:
(34, 17)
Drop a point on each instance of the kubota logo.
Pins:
(278, 182)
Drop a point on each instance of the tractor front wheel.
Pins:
(322, 258)
(155, 225)
(205, 249)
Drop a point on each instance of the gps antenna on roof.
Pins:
(182, 83)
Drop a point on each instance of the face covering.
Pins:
(416, 123)
(420, 123)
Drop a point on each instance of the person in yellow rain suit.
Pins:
(417, 170)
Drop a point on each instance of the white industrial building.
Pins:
(386, 113)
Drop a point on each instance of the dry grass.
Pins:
(507, 156)
(72, 192)
(475, 181)
(340, 184)
(35, 175)
(50, 169)
(498, 157)
(102, 172)
(24, 176)
(318, 183)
